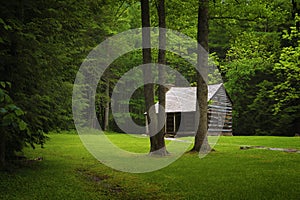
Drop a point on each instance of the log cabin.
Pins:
(182, 116)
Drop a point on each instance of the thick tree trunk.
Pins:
(147, 73)
(161, 76)
(201, 142)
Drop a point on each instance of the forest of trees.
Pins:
(255, 44)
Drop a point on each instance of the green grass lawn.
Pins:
(68, 171)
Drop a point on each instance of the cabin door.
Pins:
(172, 122)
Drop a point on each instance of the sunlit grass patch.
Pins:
(68, 171)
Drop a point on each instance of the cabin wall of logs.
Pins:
(219, 118)
(220, 114)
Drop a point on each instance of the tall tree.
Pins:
(161, 75)
(147, 73)
(201, 142)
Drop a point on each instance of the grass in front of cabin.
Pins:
(68, 171)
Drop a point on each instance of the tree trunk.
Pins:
(106, 110)
(147, 74)
(161, 76)
(201, 142)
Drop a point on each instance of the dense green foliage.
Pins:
(68, 171)
(42, 47)
(14, 132)
(262, 78)
(43, 43)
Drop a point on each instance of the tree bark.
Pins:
(106, 110)
(201, 142)
(147, 74)
(161, 76)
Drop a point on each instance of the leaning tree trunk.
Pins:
(147, 74)
(161, 77)
(201, 142)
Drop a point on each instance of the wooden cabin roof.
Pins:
(183, 99)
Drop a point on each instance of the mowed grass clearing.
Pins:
(68, 171)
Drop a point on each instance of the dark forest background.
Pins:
(254, 43)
